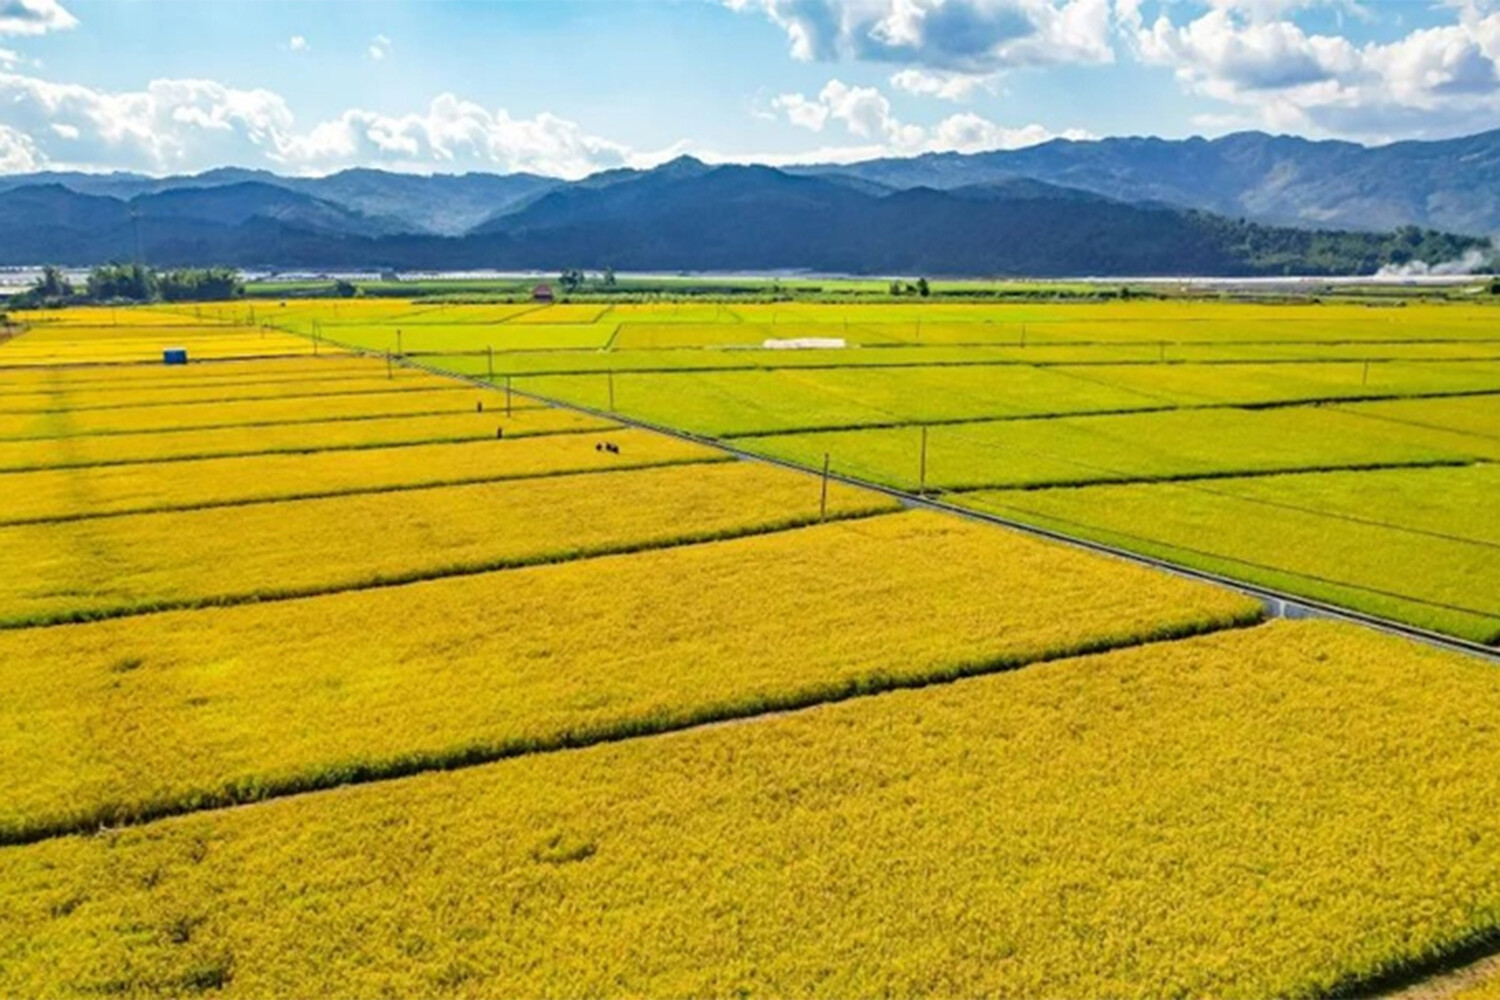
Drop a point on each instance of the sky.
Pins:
(568, 87)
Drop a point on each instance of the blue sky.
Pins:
(564, 87)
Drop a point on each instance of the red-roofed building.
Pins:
(541, 293)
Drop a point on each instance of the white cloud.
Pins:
(1433, 81)
(976, 37)
(866, 114)
(34, 17)
(380, 47)
(188, 125)
(18, 154)
(9, 59)
(947, 86)
(297, 43)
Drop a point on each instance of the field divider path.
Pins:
(238, 795)
(381, 581)
(1126, 479)
(297, 422)
(295, 449)
(355, 491)
(158, 404)
(1328, 401)
(1277, 602)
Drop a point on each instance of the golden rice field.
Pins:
(963, 398)
(1279, 812)
(105, 567)
(326, 674)
(160, 482)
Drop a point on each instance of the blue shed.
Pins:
(174, 356)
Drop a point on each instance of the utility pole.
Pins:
(823, 502)
(922, 468)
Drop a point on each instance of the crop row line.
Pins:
(223, 400)
(951, 363)
(663, 721)
(306, 449)
(354, 491)
(473, 568)
(293, 422)
(1126, 479)
(1376, 591)
(882, 425)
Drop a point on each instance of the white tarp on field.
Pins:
(804, 343)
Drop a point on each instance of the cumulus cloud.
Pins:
(865, 114)
(380, 47)
(186, 125)
(947, 86)
(34, 17)
(18, 154)
(297, 43)
(972, 37)
(1431, 81)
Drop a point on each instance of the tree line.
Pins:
(131, 283)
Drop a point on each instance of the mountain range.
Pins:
(1244, 204)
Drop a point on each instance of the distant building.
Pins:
(541, 293)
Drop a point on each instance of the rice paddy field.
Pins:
(411, 648)
(1036, 411)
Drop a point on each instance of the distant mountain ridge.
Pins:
(439, 204)
(683, 215)
(1451, 184)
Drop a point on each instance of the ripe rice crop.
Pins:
(294, 436)
(92, 398)
(130, 718)
(728, 403)
(1135, 824)
(208, 373)
(1190, 384)
(1418, 545)
(1123, 447)
(102, 567)
(76, 345)
(94, 491)
(430, 399)
(437, 338)
(1475, 415)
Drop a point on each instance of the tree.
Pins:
(53, 284)
(895, 288)
(344, 288)
(609, 277)
(127, 282)
(211, 284)
(922, 288)
(571, 280)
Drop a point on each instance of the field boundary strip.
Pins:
(37, 365)
(667, 721)
(352, 491)
(1282, 504)
(1010, 418)
(1489, 650)
(380, 581)
(220, 400)
(1278, 602)
(1207, 476)
(297, 449)
(294, 422)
